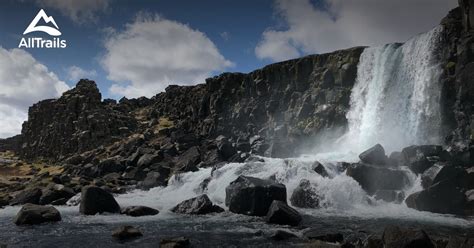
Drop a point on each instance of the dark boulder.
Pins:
(423, 150)
(126, 232)
(189, 160)
(281, 235)
(31, 214)
(372, 178)
(148, 159)
(155, 179)
(320, 169)
(197, 205)
(390, 195)
(137, 211)
(225, 147)
(429, 175)
(96, 200)
(374, 155)
(444, 197)
(420, 158)
(56, 192)
(453, 173)
(253, 196)
(109, 165)
(397, 237)
(178, 242)
(282, 214)
(305, 196)
(31, 195)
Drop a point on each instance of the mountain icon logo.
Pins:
(47, 29)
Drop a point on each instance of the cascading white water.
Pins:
(396, 98)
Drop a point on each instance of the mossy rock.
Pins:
(450, 65)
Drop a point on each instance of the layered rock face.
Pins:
(283, 103)
(76, 122)
(457, 53)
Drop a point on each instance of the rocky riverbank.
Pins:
(79, 150)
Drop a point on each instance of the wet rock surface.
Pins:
(31, 214)
(280, 213)
(96, 200)
(137, 211)
(198, 205)
(253, 196)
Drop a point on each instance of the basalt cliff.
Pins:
(276, 111)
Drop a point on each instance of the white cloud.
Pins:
(80, 11)
(76, 73)
(346, 24)
(153, 52)
(23, 81)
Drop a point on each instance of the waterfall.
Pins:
(396, 98)
(395, 102)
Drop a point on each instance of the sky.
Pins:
(137, 48)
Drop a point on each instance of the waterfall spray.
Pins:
(396, 98)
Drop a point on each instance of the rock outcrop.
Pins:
(372, 178)
(281, 213)
(253, 196)
(76, 122)
(31, 214)
(96, 200)
(197, 205)
(137, 211)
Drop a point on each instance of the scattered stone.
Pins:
(280, 235)
(197, 205)
(31, 195)
(178, 242)
(189, 160)
(282, 214)
(444, 197)
(253, 196)
(148, 159)
(56, 192)
(126, 232)
(225, 148)
(417, 158)
(374, 155)
(397, 237)
(137, 211)
(320, 169)
(155, 179)
(96, 200)
(31, 214)
(305, 196)
(372, 178)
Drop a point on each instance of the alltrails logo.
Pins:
(38, 42)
